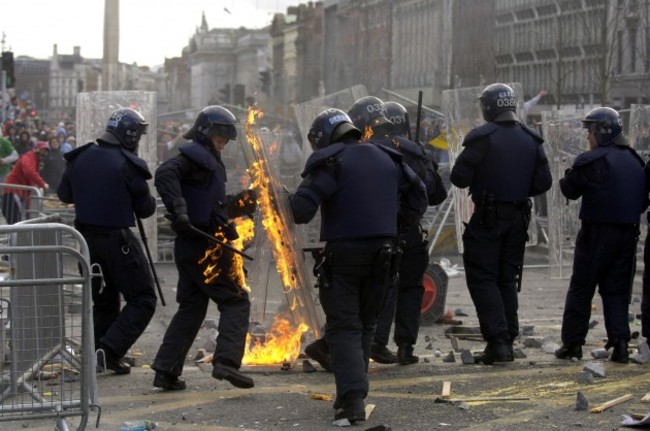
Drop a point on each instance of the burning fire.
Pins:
(367, 134)
(245, 230)
(280, 344)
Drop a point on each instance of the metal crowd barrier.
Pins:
(47, 352)
(20, 202)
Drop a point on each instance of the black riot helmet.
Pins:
(331, 125)
(606, 124)
(368, 111)
(212, 121)
(125, 127)
(498, 100)
(399, 116)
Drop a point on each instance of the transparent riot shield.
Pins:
(279, 242)
(565, 139)
(93, 110)
(639, 131)
(463, 111)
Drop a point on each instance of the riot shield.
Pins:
(639, 130)
(93, 110)
(565, 139)
(278, 242)
(463, 111)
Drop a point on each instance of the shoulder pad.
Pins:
(407, 146)
(533, 133)
(589, 157)
(479, 132)
(70, 155)
(392, 152)
(140, 164)
(321, 156)
(199, 154)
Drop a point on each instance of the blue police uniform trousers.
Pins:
(125, 271)
(351, 301)
(605, 255)
(193, 297)
(492, 258)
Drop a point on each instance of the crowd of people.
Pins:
(371, 183)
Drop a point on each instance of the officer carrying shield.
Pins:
(363, 191)
(503, 164)
(106, 181)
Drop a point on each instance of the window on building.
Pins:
(619, 56)
(647, 49)
(633, 53)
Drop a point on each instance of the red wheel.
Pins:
(435, 294)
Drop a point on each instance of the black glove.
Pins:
(242, 204)
(180, 220)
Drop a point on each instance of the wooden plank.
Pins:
(369, 409)
(604, 406)
(446, 390)
(477, 399)
(454, 343)
(646, 398)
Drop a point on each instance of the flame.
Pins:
(245, 230)
(280, 344)
(367, 134)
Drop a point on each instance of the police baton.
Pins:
(153, 269)
(221, 243)
(418, 118)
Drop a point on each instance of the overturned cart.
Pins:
(46, 344)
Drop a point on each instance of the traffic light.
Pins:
(238, 95)
(8, 67)
(224, 94)
(265, 80)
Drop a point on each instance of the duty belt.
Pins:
(341, 258)
(508, 210)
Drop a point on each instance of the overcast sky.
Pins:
(150, 30)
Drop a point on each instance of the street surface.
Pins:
(537, 392)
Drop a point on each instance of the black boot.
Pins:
(319, 352)
(382, 355)
(405, 355)
(232, 374)
(620, 353)
(495, 351)
(353, 410)
(168, 382)
(569, 351)
(107, 360)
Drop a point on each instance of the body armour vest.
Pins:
(363, 200)
(619, 195)
(204, 188)
(508, 166)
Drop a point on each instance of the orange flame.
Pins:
(245, 230)
(280, 344)
(367, 134)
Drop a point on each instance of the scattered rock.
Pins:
(519, 354)
(449, 358)
(426, 360)
(594, 369)
(382, 427)
(200, 354)
(463, 406)
(630, 317)
(643, 354)
(585, 377)
(460, 312)
(467, 357)
(550, 347)
(307, 367)
(429, 346)
(593, 323)
(581, 402)
(437, 353)
(211, 324)
(532, 342)
(528, 330)
(600, 353)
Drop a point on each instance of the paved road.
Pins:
(404, 396)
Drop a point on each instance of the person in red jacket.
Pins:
(25, 173)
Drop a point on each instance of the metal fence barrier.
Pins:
(47, 353)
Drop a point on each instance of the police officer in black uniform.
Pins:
(389, 126)
(106, 181)
(610, 179)
(192, 186)
(364, 191)
(503, 164)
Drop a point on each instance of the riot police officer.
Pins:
(192, 186)
(360, 189)
(106, 181)
(610, 179)
(503, 164)
(389, 126)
